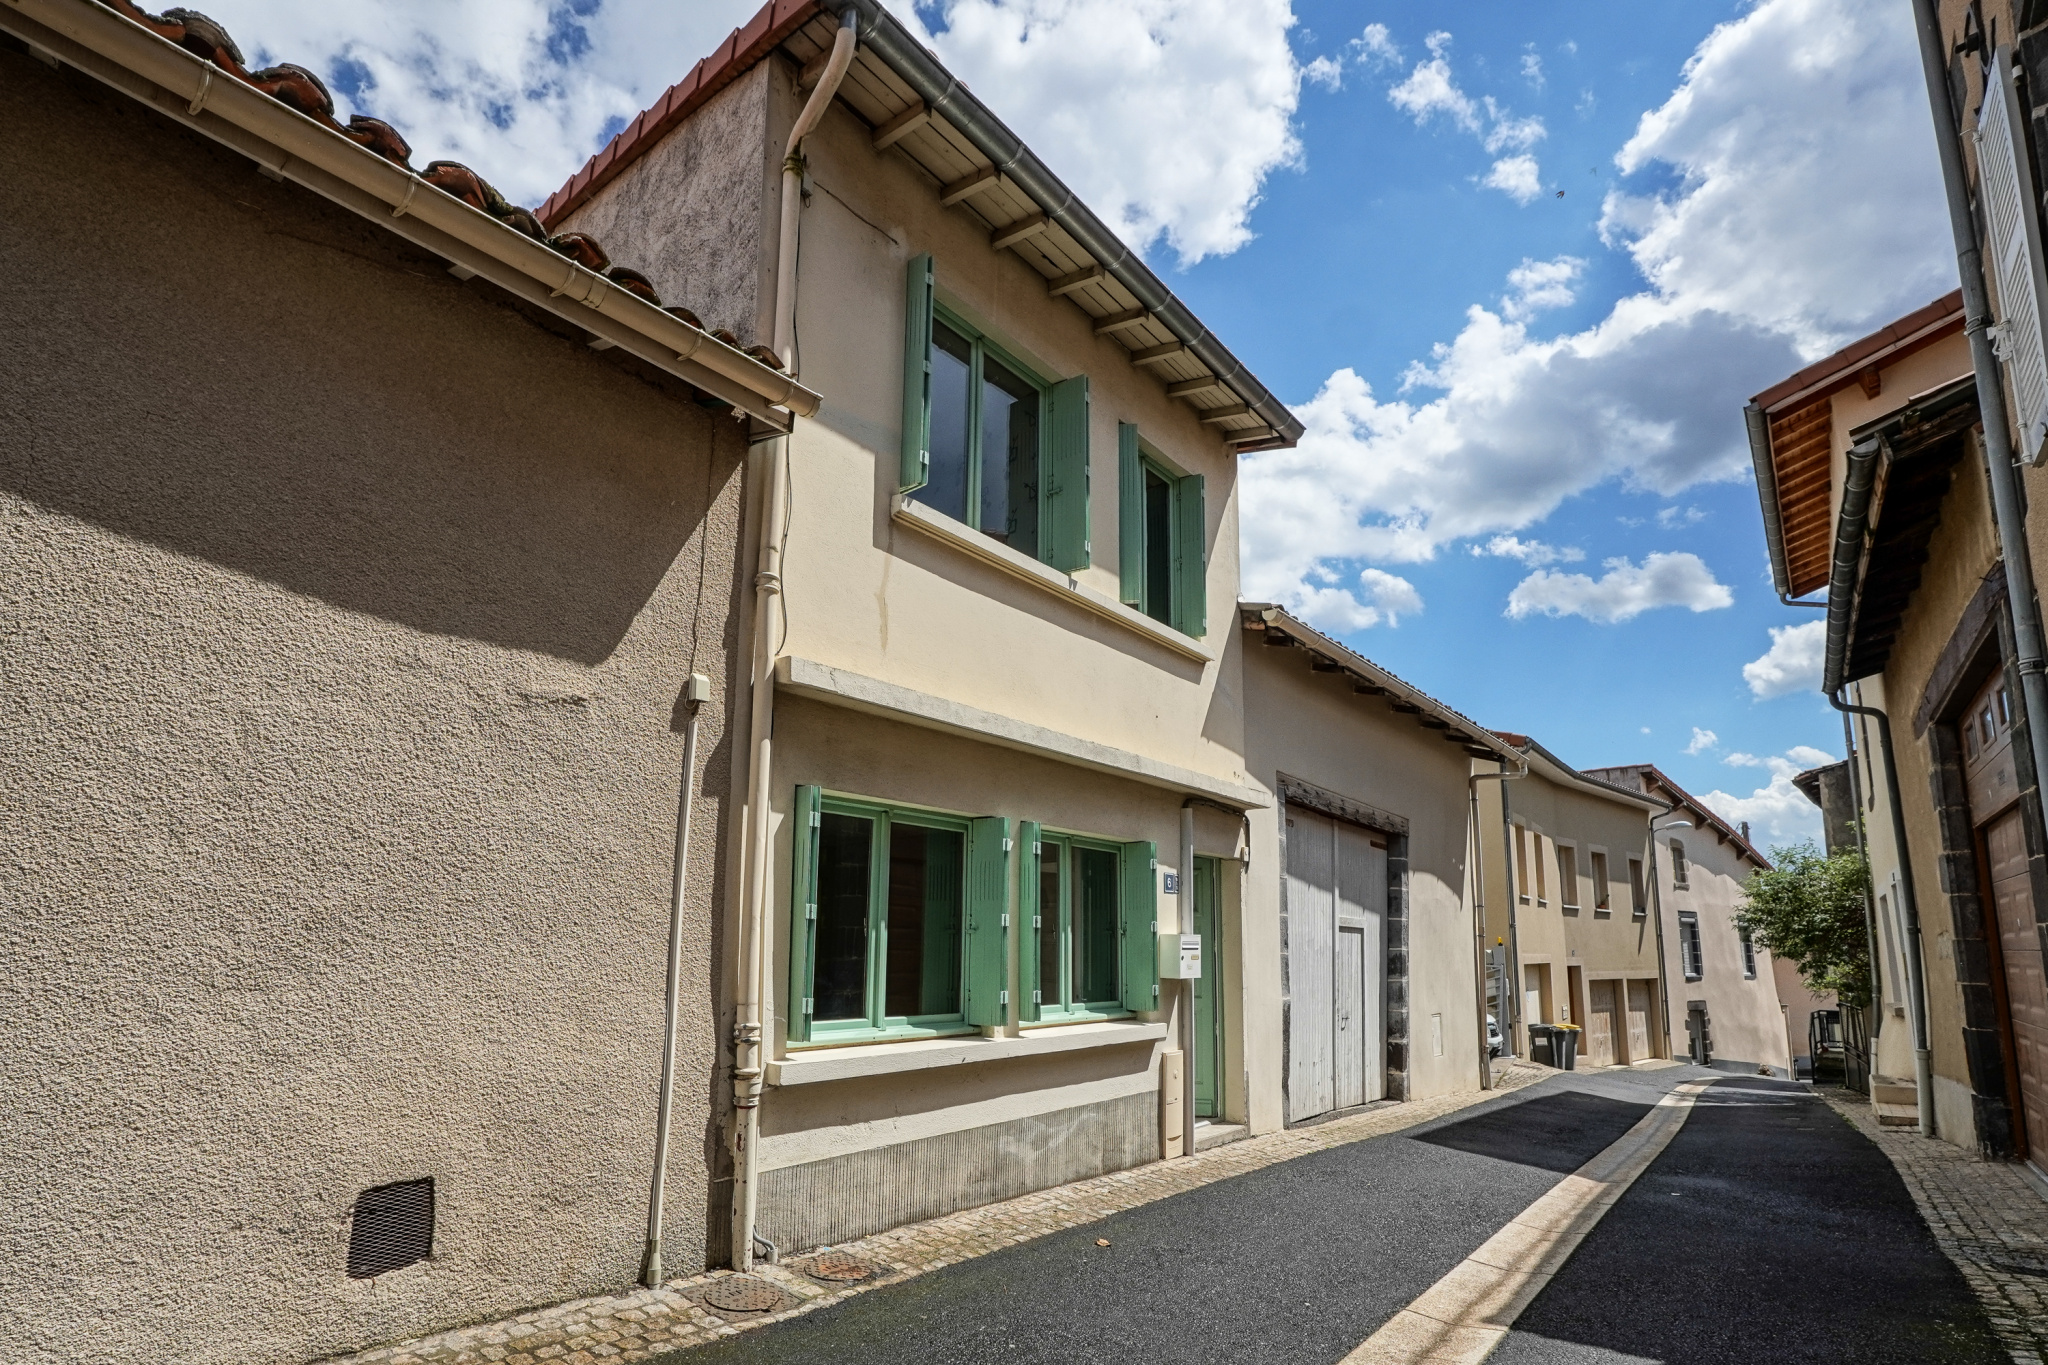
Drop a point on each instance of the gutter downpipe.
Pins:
(1479, 910)
(1185, 907)
(1998, 453)
(749, 1041)
(1507, 854)
(1869, 901)
(695, 695)
(1657, 909)
(1851, 532)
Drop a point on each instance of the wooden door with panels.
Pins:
(1991, 781)
(1600, 1012)
(1639, 1021)
(1337, 958)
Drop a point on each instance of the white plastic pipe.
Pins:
(695, 695)
(1186, 907)
(748, 1027)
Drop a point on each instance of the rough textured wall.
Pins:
(694, 214)
(343, 615)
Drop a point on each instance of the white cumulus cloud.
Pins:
(1778, 812)
(1386, 597)
(1626, 590)
(1702, 740)
(1534, 553)
(1791, 664)
(1805, 209)
(1536, 285)
(1518, 177)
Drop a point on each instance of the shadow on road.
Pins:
(1546, 1132)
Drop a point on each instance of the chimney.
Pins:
(1744, 827)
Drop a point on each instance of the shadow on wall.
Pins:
(243, 374)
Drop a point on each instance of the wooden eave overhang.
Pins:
(1279, 628)
(1794, 421)
(1161, 336)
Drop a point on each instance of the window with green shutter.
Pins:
(1138, 915)
(898, 921)
(1074, 890)
(1162, 524)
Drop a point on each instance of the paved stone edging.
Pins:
(633, 1326)
(1985, 1215)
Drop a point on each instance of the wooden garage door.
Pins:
(1600, 1020)
(1639, 1021)
(1336, 957)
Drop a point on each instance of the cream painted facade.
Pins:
(1722, 989)
(930, 671)
(1560, 854)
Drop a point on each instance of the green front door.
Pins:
(1208, 1014)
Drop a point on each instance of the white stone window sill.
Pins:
(938, 525)
(882, 1059)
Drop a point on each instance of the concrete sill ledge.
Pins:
(883, 1059)
(938, 525)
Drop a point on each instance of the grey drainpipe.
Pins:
(1502, 776)
(944, 95)
(1657, 909)
(2006, 501)
(1511, 998)
(1876, 1010)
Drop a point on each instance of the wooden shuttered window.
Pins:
(1130, 516)
(803, 908)
(1138, 909)
(1064, 531)
(987, 928)
(2012, 222)
(1029, 922)
(1190, 557)
(915, 466)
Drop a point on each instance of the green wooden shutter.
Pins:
(1065, 452)
(1130, 516)
(1028, 926)
(803, 908)
(917, 375)
(1138, 917)
(1190, 563)
(988, 903)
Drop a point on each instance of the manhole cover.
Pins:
(840, 1267)
(744, 1294)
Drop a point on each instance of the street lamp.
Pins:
(1657, 909)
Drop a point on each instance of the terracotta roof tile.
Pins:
(1840, 368)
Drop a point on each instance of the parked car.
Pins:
(1492, 1037)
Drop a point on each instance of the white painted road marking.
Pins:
(1463, 1316)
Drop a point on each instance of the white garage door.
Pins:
(1337, 964)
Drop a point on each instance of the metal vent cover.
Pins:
(392, 1227)
(745, 1294)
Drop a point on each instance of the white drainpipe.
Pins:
(749, 1028)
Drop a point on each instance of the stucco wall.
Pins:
(696, 213)
(1746, 1023)
(1312, 726)
(345, 615)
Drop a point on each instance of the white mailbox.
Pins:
(1180, 957)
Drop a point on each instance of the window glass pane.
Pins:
(1050, 991)
(946, 486)
(1095, 926)
(1158, 595)
(840, 971)
(1009, 457)
(925, 884)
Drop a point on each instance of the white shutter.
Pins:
(2011, 218)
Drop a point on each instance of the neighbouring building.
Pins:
(354, 568)
(1002, 655)
(1875, 486)
(1573, 933)
(1832, 788)
(1722, 987)
(1359, 878)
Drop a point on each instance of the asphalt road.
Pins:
(1770, 1230)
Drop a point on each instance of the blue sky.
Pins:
(1363, 200)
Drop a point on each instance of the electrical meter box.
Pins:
(1180, 957)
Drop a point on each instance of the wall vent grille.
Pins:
(392, 1227)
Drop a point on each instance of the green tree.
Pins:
(1809, 910)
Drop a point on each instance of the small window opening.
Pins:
(392, 1227)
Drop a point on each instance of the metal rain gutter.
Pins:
(1767, 493)
(287, 145)
(944, 95)
(1851, 529)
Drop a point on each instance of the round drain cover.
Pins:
(837, 1265)
(744, 1294)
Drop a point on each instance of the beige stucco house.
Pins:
(1723, 988)
(1572, 930)
(354, 570)
(998, 744)
(1365, 953)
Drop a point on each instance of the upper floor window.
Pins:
(1522, 864)
(1689, 957)
(1678, 868)
(1162, 536)
(1602, 893)
(1567, 877)
(1639, 903)
(1542, 879)
(1748, 957)
(986, 441)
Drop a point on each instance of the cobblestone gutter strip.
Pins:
(620, 1328)
(1987, 1217)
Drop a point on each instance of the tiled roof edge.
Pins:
(1943, 313)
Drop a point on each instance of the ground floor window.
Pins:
(901, 922)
